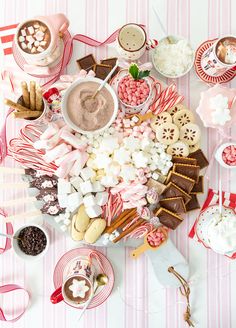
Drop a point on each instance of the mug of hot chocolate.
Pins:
(132, 42)
(85, 110)
(220, 57)
(39, 40)
(78, 280)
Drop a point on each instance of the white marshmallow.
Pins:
(101, 198)
(23, 33)
(76, 181)
(33, 50)
(74, 201)
(87, 173)
(67, 222)
(121, 156)
(93, 211)
(62, 200)
(63, 186)
(40, 49)
(89, 200)
(23, 45)
(31, 30)
(21, 38)
(63, 227)
(97, 186)
(86, 187)
(109, 181)
(59, 218)
(36, 43)
(155, 176)
(109, 144)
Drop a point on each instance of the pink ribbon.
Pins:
(10, 288)
(8, 231)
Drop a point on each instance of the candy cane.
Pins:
(141, 231)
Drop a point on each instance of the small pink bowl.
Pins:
(219, 155)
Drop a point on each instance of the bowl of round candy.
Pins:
(226, 155)
(134, 89)
(173, 57)
(31, 242)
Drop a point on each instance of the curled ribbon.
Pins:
(9, 231)
(10, 288)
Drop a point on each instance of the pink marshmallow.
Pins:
(69, 157)
(56, 152)
(50, 131)
(63, 170)
(79, 163)
(71, 139)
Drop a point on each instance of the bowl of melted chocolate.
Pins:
(31, 242)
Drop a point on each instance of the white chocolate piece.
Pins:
(94, 231)
(86, 187)
(94, 211)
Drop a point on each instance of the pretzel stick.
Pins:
(32, 95)
(129, 230)
(119, 220)
(28, 113)
(25, 94)
(39, 98)
(26, 215)
(14, 105)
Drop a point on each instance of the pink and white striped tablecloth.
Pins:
(138, 300)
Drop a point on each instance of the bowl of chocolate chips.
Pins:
(31, 242)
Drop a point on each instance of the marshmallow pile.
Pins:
(34, 38)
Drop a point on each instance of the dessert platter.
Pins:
(111, 156)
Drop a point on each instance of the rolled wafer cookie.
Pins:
(15, 106)
(25, 94)
(28, 114)
(32, 95)
(39, 98)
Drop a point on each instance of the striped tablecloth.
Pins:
(138, 300)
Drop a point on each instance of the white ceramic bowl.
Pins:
(64, 105)
(219, 152)
(21, 254)
(174, 39)
(138, 106)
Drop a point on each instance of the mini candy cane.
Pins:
(113, 207)
(167, 99)
(151, 44)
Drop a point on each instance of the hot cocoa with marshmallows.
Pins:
(34, 37)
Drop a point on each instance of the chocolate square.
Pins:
(174, 191)
(198, 187)
(168, 218)
(200, 157)
(184, 160)
(86, 62)
(191, 171)
(181, 181)
(174, 204)
(111, 62)
(158, 186)
(101, 71)
(193, 204)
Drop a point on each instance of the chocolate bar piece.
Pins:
(191, 171)
(158, 186)
(174, 204)
(174, 191)
(200, 157)
(168, 218)
(198, 187)
(86, 62)
(193, 204)
(181, 181)
(111, 62)
(184, 160)
(101, 71)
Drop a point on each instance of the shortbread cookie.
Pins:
(179, 148)
(160, 119)
(167, 133)
(193, 148)
(175, 109)
(190, 133)
(182, 117)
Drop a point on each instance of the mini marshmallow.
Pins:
(29, 46)
(79, 163)
(63, 187)
(66, 214)
(87, 173)
(21, 38)
(69, 157)
(101, 198)
(93, 211)
(36, 43)
(40, 49)
(33, 50)
(56, 152)
(31, 29)
(23, 45)
(23, 33)
(86, 187)
(109, 144)
(89, 200)
(74, 201)
(76, 181)
(121, 156)
(67, 222)
(63, 228)
(155, 176)
(97, 186)
(72, 140)
(59, 218)
(39, 35)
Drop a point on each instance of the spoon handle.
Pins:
(5, 235)
(87, 304)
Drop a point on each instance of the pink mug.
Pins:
(77, 285)
(53, 28)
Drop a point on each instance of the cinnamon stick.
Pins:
(129, 230)
(119, 220)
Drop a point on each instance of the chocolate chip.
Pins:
(32, 240)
